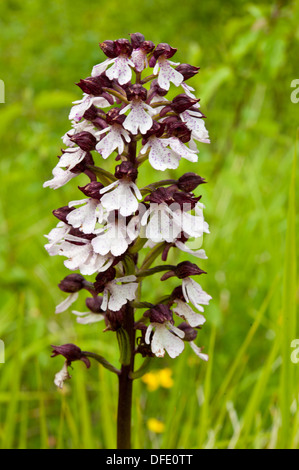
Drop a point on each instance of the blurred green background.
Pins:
(246, 396)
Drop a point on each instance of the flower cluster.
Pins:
(124, 115)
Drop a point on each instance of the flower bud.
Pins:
(148, 46)
(82, 166)
(160, 196)
(71, 352)
(190, 333)
(123, 47)
(62, 212)
(189, 181)
(177, 293)
(113, 116)
(186, 269)
(143, 348)
(182, 102)
(109, 48)
(157, 129)
(137, 39)
(136, 91)
(85, 140)
(188, 71)
(177, 128)
(126, 170)
(92, 189)
(72, 283)
(91, 113)
(114, 320)
(94, 304)
(155, 89)
(103, 278)
(164, 49)
(185, 199)
(159, 314)
(91, 86)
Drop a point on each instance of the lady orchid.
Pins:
(114, 234)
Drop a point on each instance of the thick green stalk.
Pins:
(125, 389)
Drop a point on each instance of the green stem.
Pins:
(115, 93)
(157, 269)
(152, 255)
(102, 361)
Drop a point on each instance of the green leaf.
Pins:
(124, 346)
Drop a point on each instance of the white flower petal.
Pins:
(60, 178)
(163, 339)
(100, 68)
(86, 317)
(167, 74)
(120, 70)
(194, 293)
(120, 294)
(112, 141)
(198, 253)
(61, 376)
(198, 352)
(184, 310)
(67, 302)
(138, 119)
(160, 157)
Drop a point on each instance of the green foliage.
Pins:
(246, 396)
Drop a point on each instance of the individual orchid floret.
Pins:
(183, 310)
(60, 178)
(81, 106)
(77, 128)
(165, 153)
(71, 352)
(125, 194)
(161, 333)
(72, 284)
(87, 216)
(166, 73)
(78, 249)
(167, 216)
(118, 53)
(75, 161)
(194, 121)
(194, 293)
(190, 336)
(140, 50)
(116, 235)
(139, 118)
(115, 295)
(116, 135)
